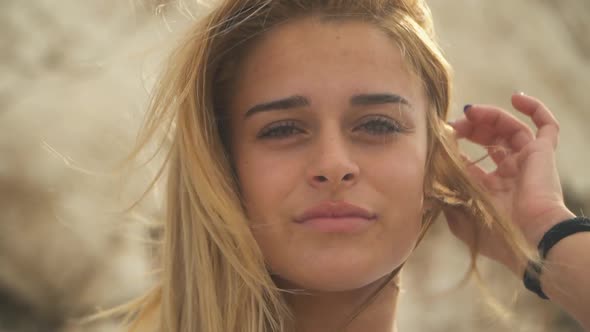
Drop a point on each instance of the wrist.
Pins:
(534, 235)
(559, 232)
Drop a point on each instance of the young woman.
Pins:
(310, 153)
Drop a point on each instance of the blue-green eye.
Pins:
(380, 126)
(279, 130)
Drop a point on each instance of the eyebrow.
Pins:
(301, 101)
(378, 99)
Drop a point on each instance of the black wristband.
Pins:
(553, 235)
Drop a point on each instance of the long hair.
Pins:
(213, 276)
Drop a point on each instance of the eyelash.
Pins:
(381, 126)
(280, 130)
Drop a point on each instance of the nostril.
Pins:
(321, 178)
(347, 177)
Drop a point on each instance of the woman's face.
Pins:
(328, 136)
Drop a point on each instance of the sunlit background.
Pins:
(74, 81)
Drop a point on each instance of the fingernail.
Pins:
(519, 93)
(467, 107)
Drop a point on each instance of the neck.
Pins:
(328, 311)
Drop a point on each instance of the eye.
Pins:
(278, 130)
(380, 125)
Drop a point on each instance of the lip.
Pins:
(335, 210)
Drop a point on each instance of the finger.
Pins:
(547, 124)
(521, 139)
(479, 175)
(498, 148)
(463, 128)
(501, 123)
(508, 167)
(499, 151)
(487, 136)
(474, 170)
(483, 134)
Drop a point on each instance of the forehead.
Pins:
(324, 58)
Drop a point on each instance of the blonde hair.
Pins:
(213, 276)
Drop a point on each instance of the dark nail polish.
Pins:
(468, 106)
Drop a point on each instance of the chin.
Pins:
(336, 266)
(333, 278)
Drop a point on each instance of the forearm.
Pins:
(566, 280)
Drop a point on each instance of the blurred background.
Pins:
(75, 78)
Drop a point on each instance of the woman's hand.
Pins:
(525, 186)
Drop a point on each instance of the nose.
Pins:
(332, 165)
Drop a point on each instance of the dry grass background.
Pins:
(74, 81)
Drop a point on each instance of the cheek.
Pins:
(398, 180)
(266, 178)
(398, 177)
(402, 165)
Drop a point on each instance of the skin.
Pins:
(331, 152)
(334, 151)
(525, 187)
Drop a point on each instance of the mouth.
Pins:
(331, 216)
